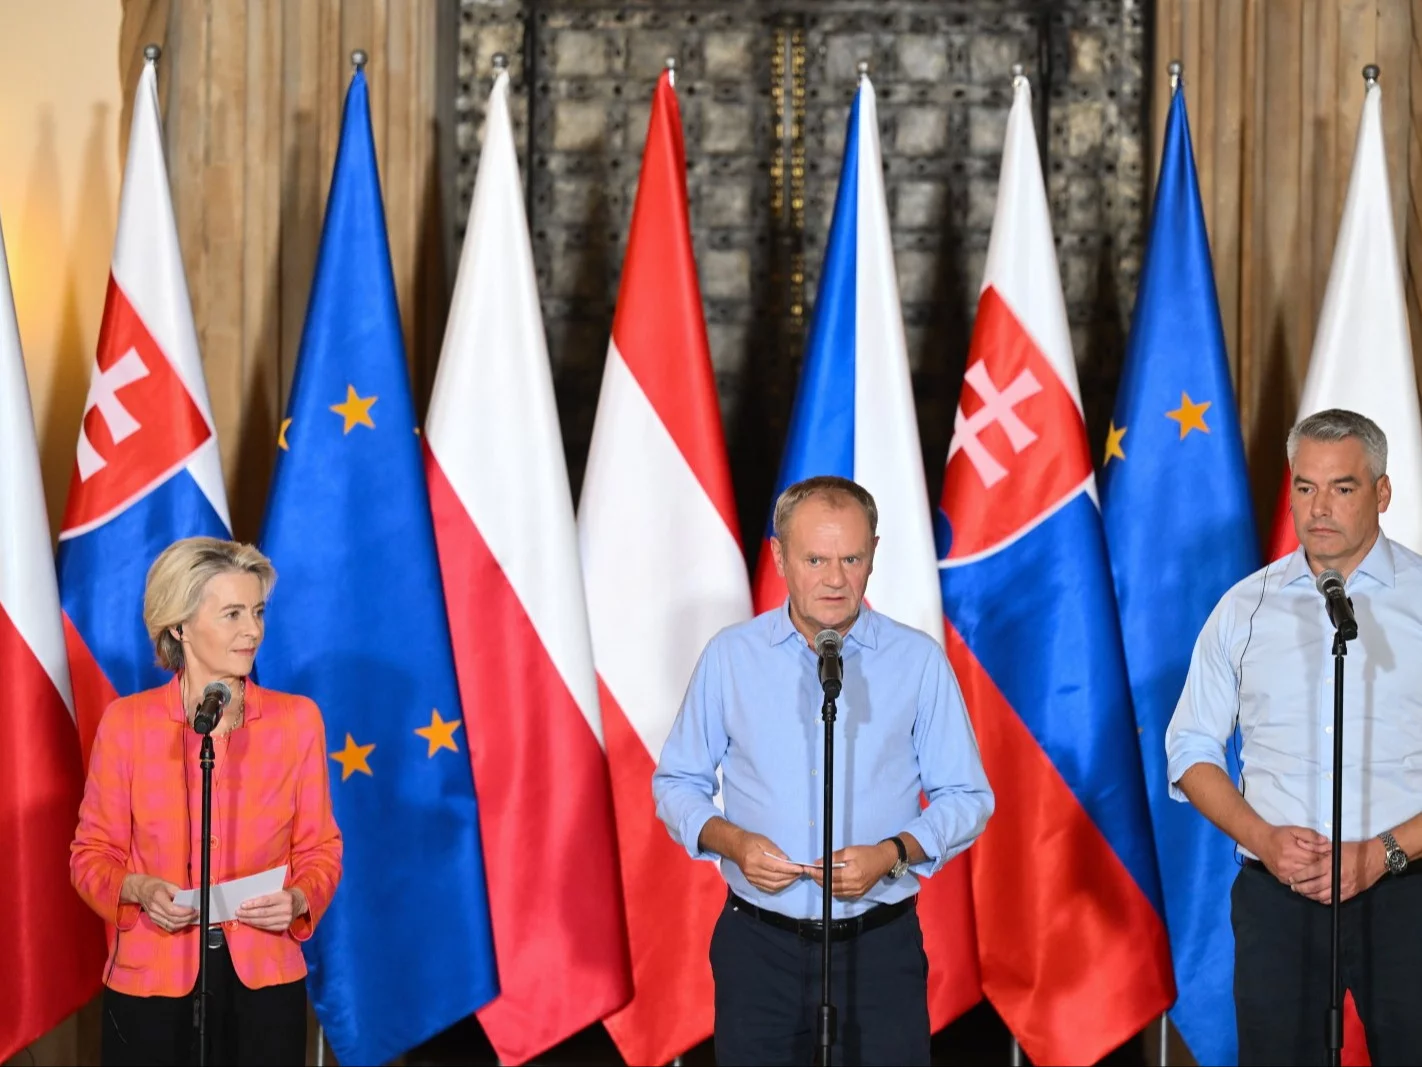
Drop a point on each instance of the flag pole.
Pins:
(1016, 1055)
(1162, 1057)
(320, 1046)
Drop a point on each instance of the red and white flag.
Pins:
(1362, 361)
(1362, 352)
(664, 571)
(508, 551)
(52, 946)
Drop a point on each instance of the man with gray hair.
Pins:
(1263, 666)
(752, 713)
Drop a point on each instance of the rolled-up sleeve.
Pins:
(1204, 716)
(316, 846)
(960, 801)
(684, 784)
(99, 856)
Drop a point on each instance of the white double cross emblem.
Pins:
(103, 394)
(997, 408)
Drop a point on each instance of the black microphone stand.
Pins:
(206, 758)
(826, 1012)
(1335, 987)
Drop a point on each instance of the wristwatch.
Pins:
(1396, 858)
(901, 864)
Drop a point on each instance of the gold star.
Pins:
(1189, 415)
(417, 431)
(439, 734)
(281, 435)
(353, 758)
(1113, 445)
(355, 410)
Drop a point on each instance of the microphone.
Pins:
(209, 712)
(828, 644)
(1340, 608)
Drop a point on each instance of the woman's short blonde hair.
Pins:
(178, 578)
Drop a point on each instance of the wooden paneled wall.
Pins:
(1274, 90)
(252, 93)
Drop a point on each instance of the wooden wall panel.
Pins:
(253, 95)
(253, 91)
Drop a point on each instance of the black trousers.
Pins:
(245, 1027)
(768, 994)
(1281, 969)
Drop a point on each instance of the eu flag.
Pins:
(1180, 529)
(357, 622)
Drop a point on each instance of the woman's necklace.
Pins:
(233, 714)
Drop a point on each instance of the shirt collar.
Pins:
(1378, 564)
(864, 632)
(251, 700)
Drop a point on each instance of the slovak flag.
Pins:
(1070, 937)
(147, 471)
(854, 417)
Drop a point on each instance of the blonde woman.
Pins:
(139, 825)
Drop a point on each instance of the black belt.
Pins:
(840, 929)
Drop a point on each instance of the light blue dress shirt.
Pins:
(752, 711)
(1266, 652)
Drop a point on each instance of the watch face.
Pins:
(1397, 861)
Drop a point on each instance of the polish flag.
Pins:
(1362, 352)
(52, 946)
(1362, 361)
(664, 571)
(508, 552)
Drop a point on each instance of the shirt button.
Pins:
(1328, 729)
(1328, 825)
(812, 822)
(212, 840)
(1329, 776)
(813, 773)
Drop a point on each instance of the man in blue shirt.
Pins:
(752, 711)
(1264, 663)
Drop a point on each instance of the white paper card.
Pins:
(227, 897)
